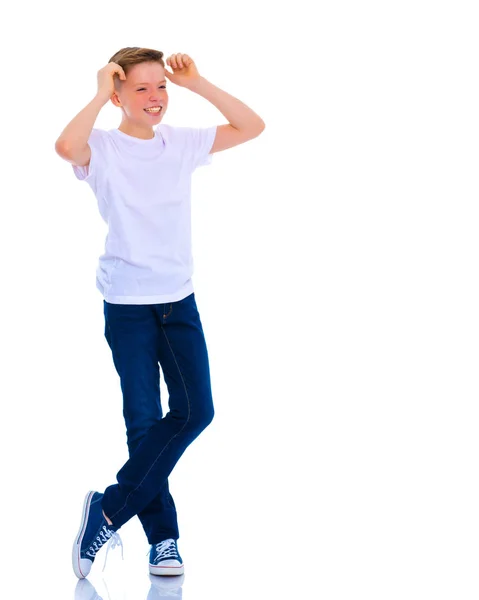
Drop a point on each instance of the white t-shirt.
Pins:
(143, 190)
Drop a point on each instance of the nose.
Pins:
(158, 97)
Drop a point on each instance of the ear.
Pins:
(115, 100)
(117, 84)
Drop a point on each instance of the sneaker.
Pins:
(165, 559)
(93, 534)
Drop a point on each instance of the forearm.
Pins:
(238, 114)
(76, 133)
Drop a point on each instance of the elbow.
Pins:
(60, 147)
(259, 128)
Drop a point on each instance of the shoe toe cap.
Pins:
(169, 563)
(83, 567)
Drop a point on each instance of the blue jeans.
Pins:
(141, 336)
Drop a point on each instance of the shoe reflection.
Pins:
(161, 587)
(85, 591)
(165, 587)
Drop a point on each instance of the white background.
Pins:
(336, 279)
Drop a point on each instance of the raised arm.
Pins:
(72, 145)
(244, 123)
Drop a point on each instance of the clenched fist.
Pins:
(185, 73)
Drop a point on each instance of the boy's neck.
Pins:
(138, 132)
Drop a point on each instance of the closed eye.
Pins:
(139, 90)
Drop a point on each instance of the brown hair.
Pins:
(128, 57)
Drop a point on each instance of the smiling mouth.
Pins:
(154, 112)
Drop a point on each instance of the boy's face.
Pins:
(144, 87)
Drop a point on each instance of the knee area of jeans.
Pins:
(202, 419)
(135, 435)
(197, 418)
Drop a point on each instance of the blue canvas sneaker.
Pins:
(165, 559)
(93, 534)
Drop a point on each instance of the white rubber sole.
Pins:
(81, 567)
(169, 571)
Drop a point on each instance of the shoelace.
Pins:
(165, 549)
(115, 540)
(105, 535)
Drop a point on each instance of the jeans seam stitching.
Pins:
(169, 441)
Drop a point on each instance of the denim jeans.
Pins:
(143, 337)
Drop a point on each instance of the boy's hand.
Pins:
(106, 80)
(185, 73)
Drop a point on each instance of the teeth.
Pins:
(153, 109)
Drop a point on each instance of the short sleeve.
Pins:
(94, 171)
(199, 143)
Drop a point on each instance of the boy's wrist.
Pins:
(101, 100)
(196, 85)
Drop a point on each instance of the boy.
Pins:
(141, 176)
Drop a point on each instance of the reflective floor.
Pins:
(215, 568)
(160, 587)
(416, 553)
(128, 578)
